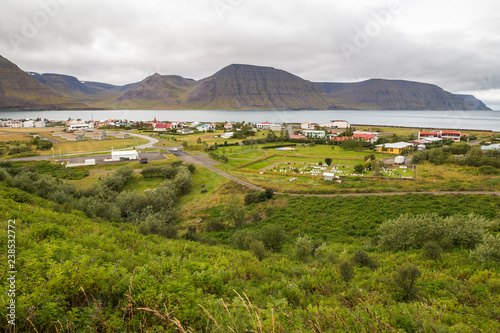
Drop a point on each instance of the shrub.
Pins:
(273, 237)
(363, 259)
(359, 168)
(406, 280)
(269, 193)
(251, 198)
(412, 232)
(257, 248)
(488, 170)
(303, 248)
(233, 213)
(242, 239)
(431, 251)
(325, 254)
(346, 271)
(488, 250)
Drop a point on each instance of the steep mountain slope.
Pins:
(20, 91)
(381, 94)
(254, 87)
(155, 91)
(474, 103)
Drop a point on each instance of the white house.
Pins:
(16, 124)
(275, 127)
(29, 124)
(227, 135)
(314, 134)
(205, 127)
(328, 176)
(340, 124)
(120, 155)
(263, 126)
(40, 124)
(77, 125)
(228, 126)
(306, 125)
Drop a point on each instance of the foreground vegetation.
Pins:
(274, 264)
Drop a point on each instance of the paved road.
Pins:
(150, 144)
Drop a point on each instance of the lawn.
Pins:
(89, 145)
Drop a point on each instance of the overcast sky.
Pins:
(454, 44)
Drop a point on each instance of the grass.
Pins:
(89, 145)
(138, 183)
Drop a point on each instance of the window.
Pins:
(391, 149)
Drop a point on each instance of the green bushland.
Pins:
(90, 274)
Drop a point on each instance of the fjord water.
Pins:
(479, 120)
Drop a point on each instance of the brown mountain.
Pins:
(246, 87)
(378, 94)
(20, 91)
(156, 92)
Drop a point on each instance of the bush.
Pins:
(359, 168)
(233, 213)
(273, 237)
(325, 254)
(431, 251)
(488, 170)
(269, 193)
(363, 259)
(412, 232)
(242, 239)
(488, 250)
(258, 249)
(406, 280)
(251, 198)
(303, 248)
(346, 271)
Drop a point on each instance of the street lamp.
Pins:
(52, 152)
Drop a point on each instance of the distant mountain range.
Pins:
(235, 87)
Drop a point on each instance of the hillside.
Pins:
(254, 87)
(378, 94)
(20, 91)
(156, 92)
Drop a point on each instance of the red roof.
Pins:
(297, 136)
(364, 136)
(429, 133)
(451, 132)
(339, 138)
(161, 125)
(266, 123)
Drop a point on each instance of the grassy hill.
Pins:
(80, 274)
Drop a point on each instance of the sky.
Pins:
(453, 44)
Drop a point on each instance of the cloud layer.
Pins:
(453, 44)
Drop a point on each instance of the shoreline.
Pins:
(427, 128)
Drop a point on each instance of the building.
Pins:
(73, 137)
(16, 124)
(365, 137)
(495, 146)
(339, 138)
(99, 137)
(40, 124)
(394, 148)
(340, 124)
(295, 136)
(205, 127)
(59, 134)
(313, 134)
(263, 126)
(426, 135)
(122, 135)
(185, 131)
(227, 135)
(228, 126)
(124, 155)
(275, 127)
(77, 125)
(307, 126)
(453, 135)
(158, 127)
(29, 124)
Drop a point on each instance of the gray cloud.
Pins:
(453, 44)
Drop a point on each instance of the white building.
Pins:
(121, 155)
(227, 135)
(40, 124)
(263, 126)
(78, 125)
(16, 124)
(205, 127)
(307, 126)
(29, 124)
(275, 127)
(340, 124)
(314, 134)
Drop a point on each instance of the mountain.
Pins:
(248, 87)
(156, 92)
(64, 84)
(20, 91)
(379, 94)
(474, 103)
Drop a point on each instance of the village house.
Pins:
(29, 124)
(275, 127)
(40, 124)
(263, 126)
(73, 137)
(365, 137)
(160, 127)
(99, 137)
(339, 138)
(120, 135)
(307, 126)
(185, 131)
(205, 127)
(228, 126)
(394, 148)
(340, 124)
(16, 124)
(441, 135)
(314, 134)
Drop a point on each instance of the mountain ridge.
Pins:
(234, 87)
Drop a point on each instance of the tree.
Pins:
(346, 271)
(269, 193)
(359, 168)
(303, 248)
(198, 141)
(328, 161)
(234, 213)
(273, 237)
(406, 281)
